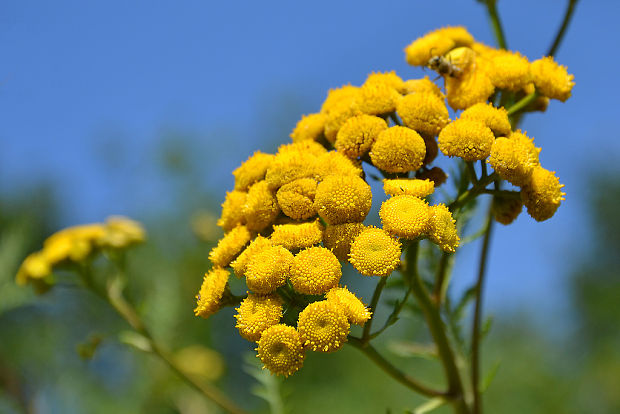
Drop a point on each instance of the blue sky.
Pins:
(81, 81)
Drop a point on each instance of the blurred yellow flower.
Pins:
(229, 246)
(211, 291)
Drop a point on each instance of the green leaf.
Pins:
(136, 340)
(429, 406)
(412, 349)
(486, 381)
(267, 387)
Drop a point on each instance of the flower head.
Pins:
(424, 85)
(35, 266)
(310, 127)
(323, 326)
(509, 70)
(472, 87)
(268, 269)
(435, 174)
(257, 313)
(289, 166)
(345, 93)
(494, 118)
(387, 78)
(353, 307)
(211, 291)
(230, 246)
(436, 43)
(376, 98)
(338, 238)
(343, 199)
(120, 232)
(442, 228)
(398, 149)
(423, 111)
(510, 159)
(297, 236)
(339, 111)
(408, 186)
(506, 209)
(261, 207)
(551, 79)
(296, 199)
(405, 216)
(232, 210)
(280, 349)
(252, 170)
(374, 252)
(335, 163)
(257, 245)
(357, 135)
(543, 194)
(470, 140)
(315, 270)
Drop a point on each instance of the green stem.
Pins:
(471, 171)
(496, 23)
(394, 314)
(503, 193)
(395, 119)
(373, 308)
(439, 291)
(523, 103)
(560, 35)
(468, 195)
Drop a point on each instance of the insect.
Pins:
(444, 67)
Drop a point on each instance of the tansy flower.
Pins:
(353, 307)
(470, 140)
(280, 349)
(296, 199)
(257, 245)
(462, 58)
(543, 194)
(232, 210)
(506, 209)
(405, 186)
(551, 79)
(424, 85)
(261, 207)
(34, 266)
(338, 115)
(388, 78)
(77, 242)
(540, 103)
(268, 269)
(297, 236)
(374, 252)
(376, 98)
(405, 216)
(423, 111)
(338, 238)
(323, 326)
(472, 87)
(509, 70)
(528, 143)
(306, 147)
(398, 149)
(435, 174)
(442, 228)
(315, 270)
(252, 170)
(310, 127)
(120, 232)
(510, 159)
(436, 43)
(345, 93)
(358, 134)
(458, 34)
(343, 199)
(229, 246)
(289, 166)
(335, 163)
(211, 291)
(494, 118)
(257, 313)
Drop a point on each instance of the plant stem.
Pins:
(560, 35)
(471, 171)
(478, 188)
(373, 308)
(439, 291)
(523, 103)
(496, 23)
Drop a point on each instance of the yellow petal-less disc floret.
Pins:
(210, 294)
(257, 313)
(436, 43)
(468, 139)
(398, 149)
(442, 228)
(338, 114)
(252, 170)
(232, 210)
(495, 118)
(229, 246)
(323, 326)
(35, 266)
(528, 143)
(261, 207)
(423, 111)
(510, 159)
(280, 349)
(335, 163)
(543, 194)
(405, 186)
(459, 35)
(345, 93)
(388, 78)
(376, 98)
(353, 307)
(343, 199)
(551, 79)
(289, 166)
(358, 134)
(268, 270)
(121, 232)
(338, 238)
(315, 270)
(374, 252)
(310, 127)
(297, 236)
(472, 87)
(405, 216)
(424, 85)
(306, 147)
(506, 209)
(509, 70)
(296, 199)
(257, 245)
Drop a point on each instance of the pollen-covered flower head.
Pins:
(232, 210)
(280, 350)
(494, 118)
(77, 242)
(338, 238)
(296, 199)
(528, 143)
(268, 269)
(289, 166)
(121, 232)
(408, 186)
(345, 93)
(353, 307)
(552, 79)
(309, 128)
(306, 147)
(510, 159)
(543, 194)
(472, 87)
(442, 228)
(338, 113)
(35, 266)
(257, 245)
(211, 291)
(315, 270)
(229, 246)
(257, 313)
(388, 78)
(398, 149)
(323, 326)
(424, 85)
(376, 98)
(252, 170)
(436, 43)
(343, 199)
(297, 236)
(468, 139)
(405, 216)
(261, 207)
(435, 174)
(509, 70)
(358, 134)
(374, 252)
(335, 163)
(423, 111)
(506, 209)
(462, 58)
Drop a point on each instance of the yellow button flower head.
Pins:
(252, 170)
(540, 104)
(343, 199)
(34, 266)
(442, 229)
(472, 87)
(462, 58)
(436, 43)
(339, 110)
(229, 246)
(509, 70)
(423, 111)
(338, 238)
(528, 143)
(375, 252)
(268, 269)
(495, 118)
(297, 236)
(405, 216)
(302, 147)
(323, 326)
(424, 85)
(335, 163)
(309, 128)
(211, 291)
(398, 149)
(468, 139)
(459, 35)
(388, 78)
(435, 174)
(232, 210)
(77, 242)
(506, 210)
(358, 134)
(510, 159)
(121, 232)
(289, 166)
(376, 98)
(551, 79)
(296, 199)
(315, 270)
(543, 194)
(405, 186)
(280, 349)
(353, 307)
(257, 313)
(261, 207)
(239, 265)
(345, 93)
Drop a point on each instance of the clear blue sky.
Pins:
(80, 81)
